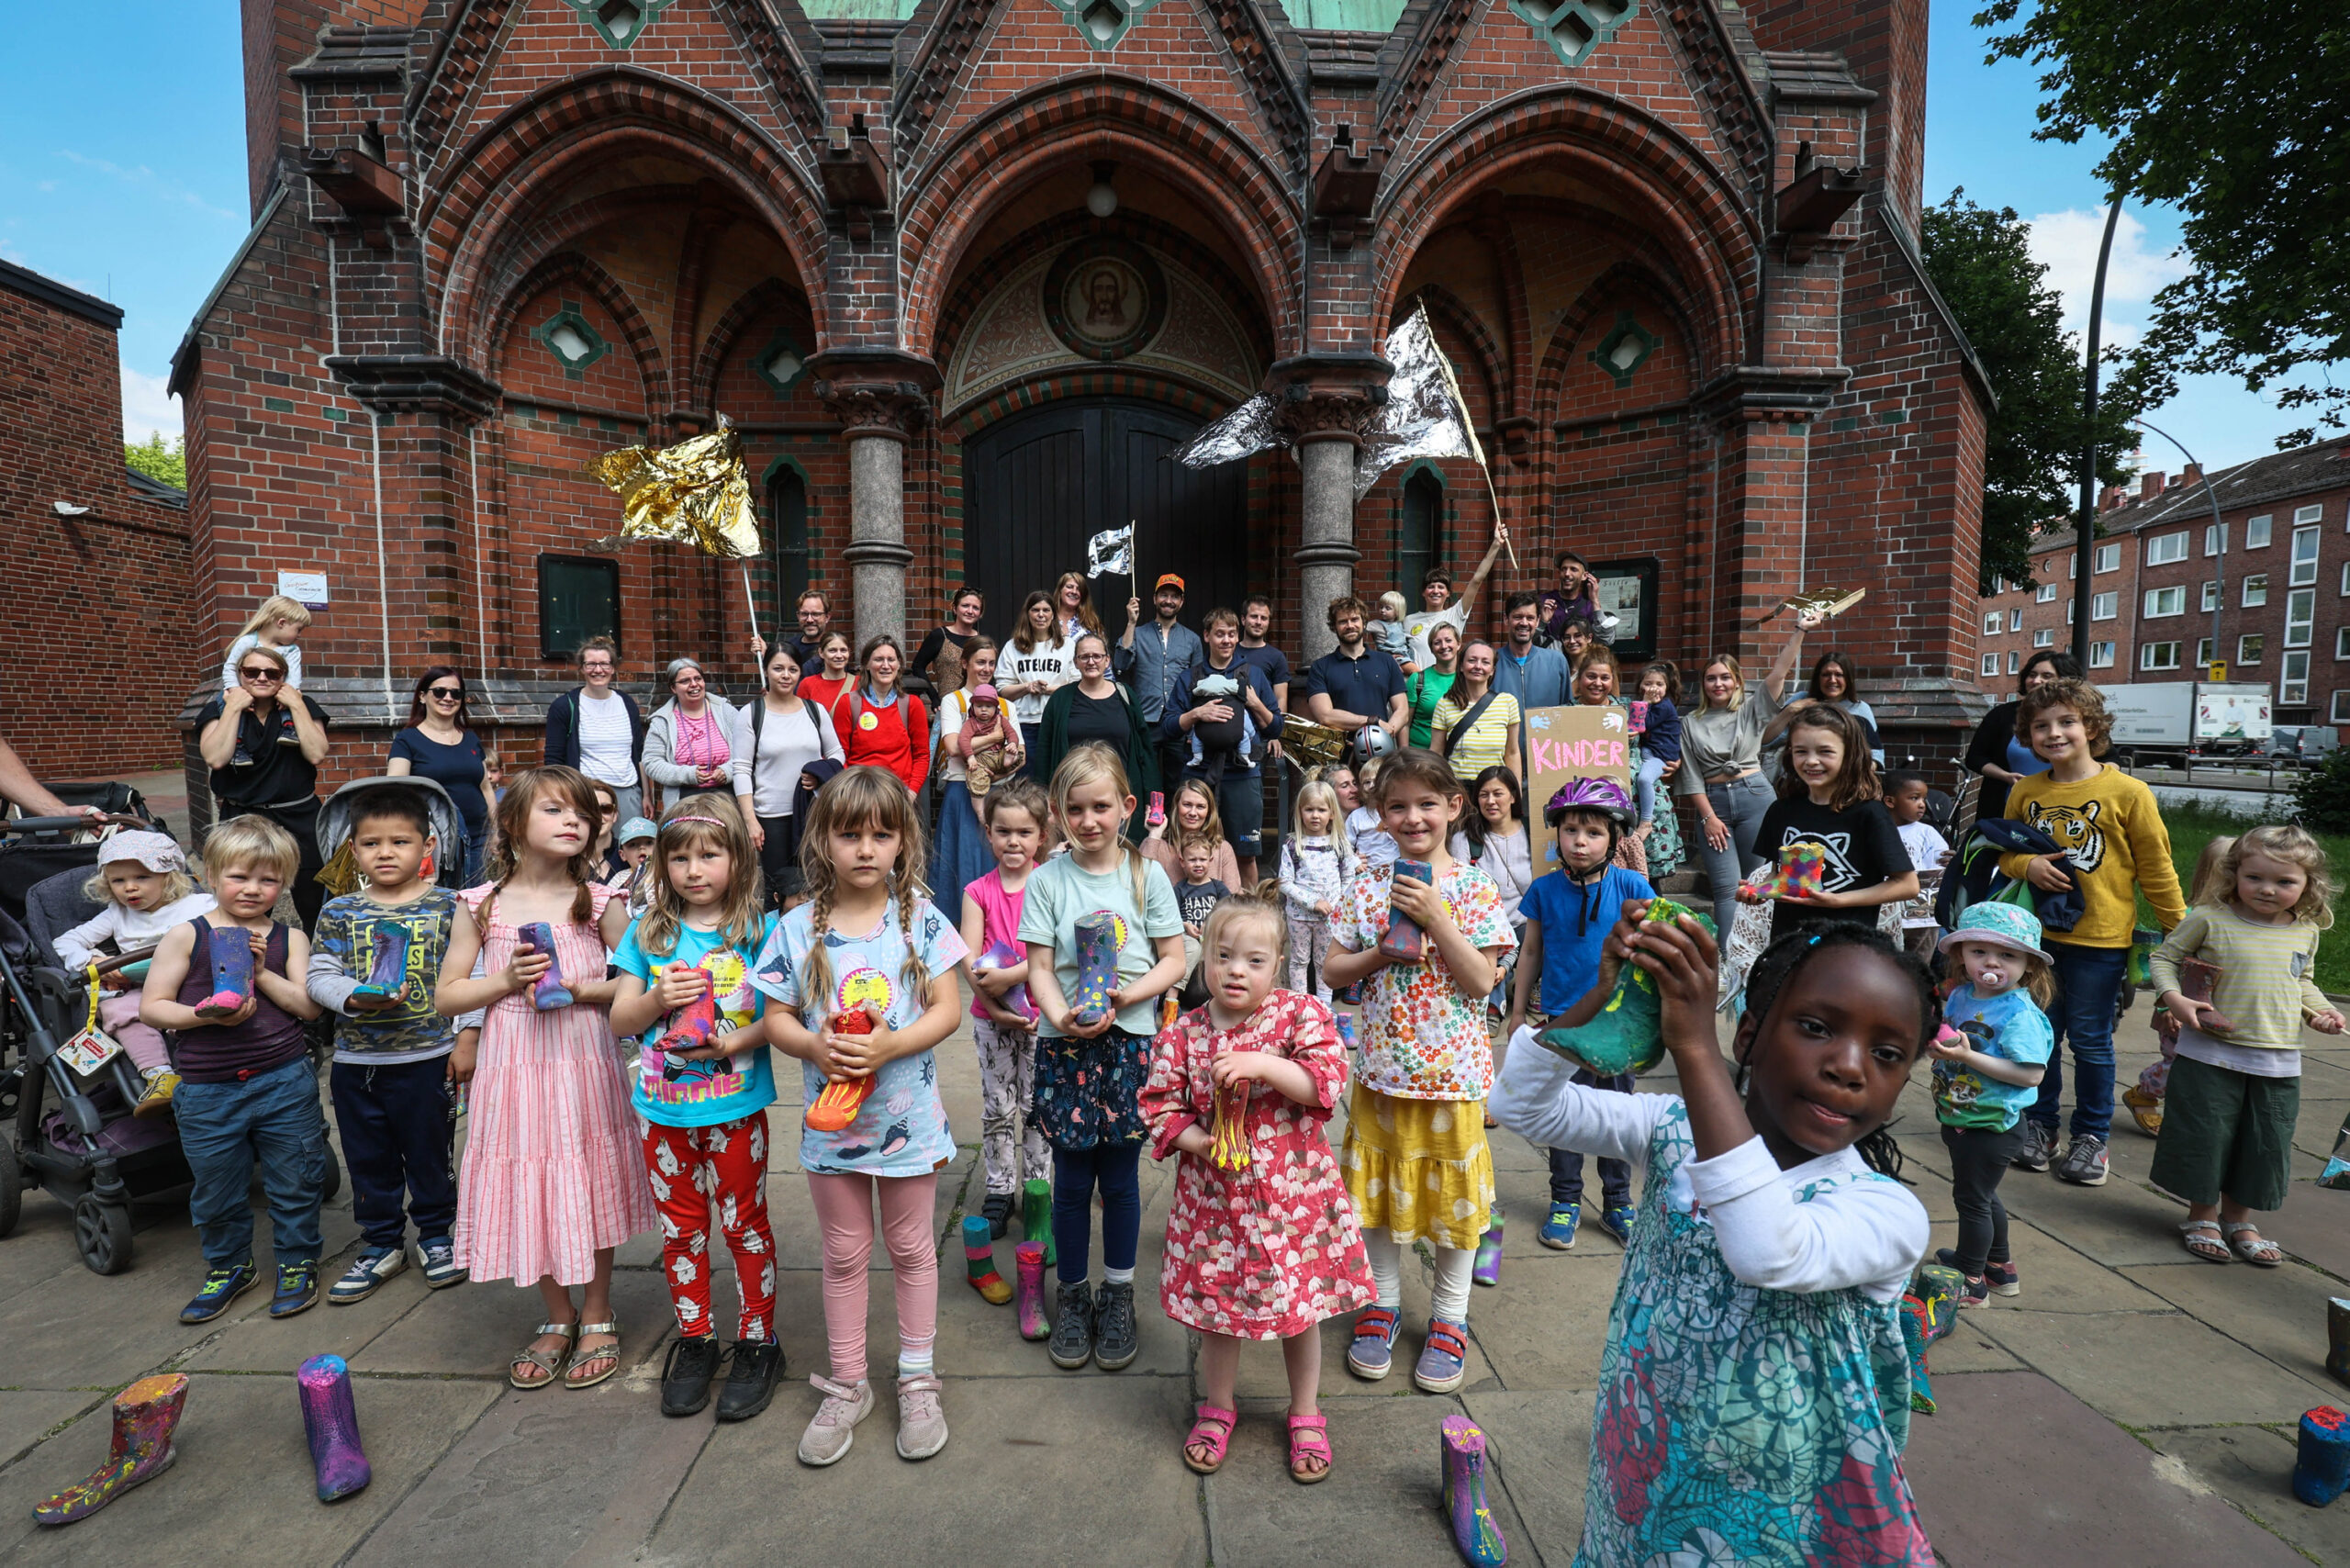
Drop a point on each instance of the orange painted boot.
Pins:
(145, 1415)
(837, 1106)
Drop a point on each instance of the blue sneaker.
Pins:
(436, 1258)
(297, 1288)
(1373, 1354)
(1616, 1221)
(220, 1287)
(366, 1274)
(1443, 1357)
(1557, 1232)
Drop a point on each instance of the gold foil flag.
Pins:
(695, 493)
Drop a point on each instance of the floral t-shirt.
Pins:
(902, 1128)
(700, 1093)
(1421, 1038)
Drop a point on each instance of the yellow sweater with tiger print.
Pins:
(2113, 830)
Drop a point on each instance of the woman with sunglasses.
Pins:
(261, 768)
(440, 744)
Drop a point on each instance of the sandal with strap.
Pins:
(551, 1363)
(2259, 1252)
(1309, 1438)
(571, 1379)
(1212, 1432)
(2201, 1237)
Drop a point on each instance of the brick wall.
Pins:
(98, 617)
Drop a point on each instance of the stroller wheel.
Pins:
(102, 1234)
(330, 1183)
(12, 1186)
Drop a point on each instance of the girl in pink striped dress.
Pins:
(551, 1182)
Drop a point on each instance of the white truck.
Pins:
(2187, 720)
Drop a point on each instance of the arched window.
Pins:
(1420, 536)
(788, 528)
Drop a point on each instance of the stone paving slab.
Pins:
(2129, 1367)
(2279, 1313)
(2252, 1467)
(26, 1415)
(1541, 1447)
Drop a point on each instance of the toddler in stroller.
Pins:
(143, 883)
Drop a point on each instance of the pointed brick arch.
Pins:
(702, 388)
(1609, 284)
(570, 267)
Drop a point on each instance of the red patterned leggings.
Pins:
(700, 1171)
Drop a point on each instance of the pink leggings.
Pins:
(845, 1211)
(119, 1016)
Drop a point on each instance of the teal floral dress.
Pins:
(1740, 1426)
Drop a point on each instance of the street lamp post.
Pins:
(2219, 540)
(2085, 530)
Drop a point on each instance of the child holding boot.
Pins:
(142, 878)
(373, 963)
(229, 984)
(1003, 1014)
(1261, 1241)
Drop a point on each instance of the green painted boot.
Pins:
(1036, 1215)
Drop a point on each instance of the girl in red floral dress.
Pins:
(1261, 1242)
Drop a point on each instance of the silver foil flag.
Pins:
(1111, 550)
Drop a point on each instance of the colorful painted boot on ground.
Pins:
(549, 993)
(978, 1262)
(1036, 1215)
(230, 951)
(2324, 1467)
(1473, 1530)
(332, 1419)
(1028, 1265)
(145, 1415)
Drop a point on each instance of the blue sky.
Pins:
(122, 172)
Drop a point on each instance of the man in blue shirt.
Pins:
(1536, 676)
(1152, 660)
(1222, 732)
(1359, 684)
(1256, 621)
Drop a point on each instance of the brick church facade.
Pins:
(964, 272)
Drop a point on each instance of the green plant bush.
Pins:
(2322, 795)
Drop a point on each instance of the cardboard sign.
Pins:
(1568, 743)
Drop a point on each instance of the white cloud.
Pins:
(147, 179)
(147, 407)
(2066, 245)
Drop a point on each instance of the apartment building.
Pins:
(2265, 591)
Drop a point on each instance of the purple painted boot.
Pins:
(1097, 967)
(145, 1415)
(1473, 1530)
(387, 976)
(1488, 1268)
(1029, 1267)
(550, 993)
(333, 1422)
(231, 948)
(690, 1027)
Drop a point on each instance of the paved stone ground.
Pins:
(2133, 1404)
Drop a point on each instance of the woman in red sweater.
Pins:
(880, 724)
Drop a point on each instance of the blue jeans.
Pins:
(1644, 784)
(1117, 1167)
(1740, 804)
(2088, 985)
(1566, 1165)
(270, 1118)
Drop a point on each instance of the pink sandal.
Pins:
(1309, 1438)
(1213, 1431)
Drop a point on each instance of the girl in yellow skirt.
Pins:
(1416, 1160)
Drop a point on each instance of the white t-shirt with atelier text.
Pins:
(1419, 624)
(1045, 665)
(604, 750)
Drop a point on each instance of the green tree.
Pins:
(1981, 261)
(2239, 116)
(157, 461)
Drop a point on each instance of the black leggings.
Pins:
(1978, 1157)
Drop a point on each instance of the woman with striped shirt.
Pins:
(1476, 727)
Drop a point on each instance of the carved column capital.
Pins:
(1327, 396)
(875, 392)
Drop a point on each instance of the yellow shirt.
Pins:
(1482, 745)
(2111, 828)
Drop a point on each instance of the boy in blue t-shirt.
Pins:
(1569, 913)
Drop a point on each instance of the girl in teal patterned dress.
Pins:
(1754, 1396)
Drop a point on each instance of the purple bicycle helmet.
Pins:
(1603, 795)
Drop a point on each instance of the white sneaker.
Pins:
(366, 1274)
(922, 1423)
(834, 1429)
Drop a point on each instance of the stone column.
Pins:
(1327, 404)
(881, 399)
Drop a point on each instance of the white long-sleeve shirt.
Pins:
(1868, 1235)
(129, 928)
(1313, 871)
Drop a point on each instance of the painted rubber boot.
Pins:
(145, 1415)
(2337, 1335)
(1403, 941)
(690, 1027)
(1028, 1264)
(333, 1421)
(1473, 1530)
(1036, 1215)
(550, 993)
(231, 948)
(834, 1109)
(387, 976)
(978, 1262)
(1097, 967)
(2323, 1468)
(1488, 1268)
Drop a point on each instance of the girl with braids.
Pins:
(550, 1182)
(1754, 1400)
(870, 943)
